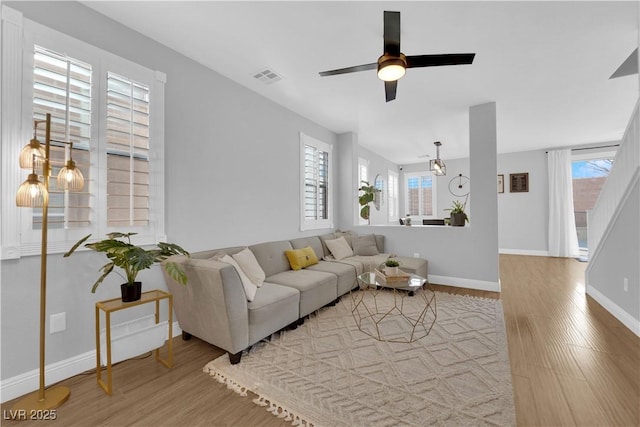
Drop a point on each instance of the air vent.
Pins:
(267, 76)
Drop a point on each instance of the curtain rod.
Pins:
(592, 148)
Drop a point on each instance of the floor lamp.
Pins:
(35, 194)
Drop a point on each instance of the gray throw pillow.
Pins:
(365, 245)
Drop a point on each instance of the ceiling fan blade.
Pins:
(353, 69)
(390, 90)
(392, 33)
(438, 60)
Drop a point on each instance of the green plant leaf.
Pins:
(176, 273)
(118, 235)
(364, 212)
(77, 245)
(106, 269)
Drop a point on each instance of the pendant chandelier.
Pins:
(436, 165)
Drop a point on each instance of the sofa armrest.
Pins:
(212, 305)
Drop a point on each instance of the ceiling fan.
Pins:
(392, 64)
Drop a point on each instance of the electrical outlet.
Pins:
(57, 323)
(625, 284)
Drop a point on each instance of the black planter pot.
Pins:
(458, 219)
(131, 293)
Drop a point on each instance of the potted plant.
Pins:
(132, 259)
(458, 216)
(368, 196)
(391, 267)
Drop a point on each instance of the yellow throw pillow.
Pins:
(301, 258)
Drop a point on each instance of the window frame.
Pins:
(393, 199)
(434, 194)
(315, 224)
(18, 236)
(362, 164)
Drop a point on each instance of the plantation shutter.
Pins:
(127, 152)
(420, 195)
(62, 87)
(316, 178)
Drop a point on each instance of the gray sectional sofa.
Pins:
(213, 306)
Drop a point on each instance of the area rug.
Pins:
(329, 373)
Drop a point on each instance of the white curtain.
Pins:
(563, 238)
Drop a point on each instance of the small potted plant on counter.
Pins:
(458, 216)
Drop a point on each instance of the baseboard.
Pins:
(523, 252)
(465, 283)
(29, 381)
(625, 318)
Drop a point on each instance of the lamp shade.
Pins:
(70, 177)
(33, 150)
(32, 193)
(438, 167)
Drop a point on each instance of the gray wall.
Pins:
(523, 218)
(232, 178)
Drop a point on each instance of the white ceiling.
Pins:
(546, 65)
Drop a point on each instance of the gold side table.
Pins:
(116, 304)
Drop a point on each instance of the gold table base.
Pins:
(378, 320)
(116, 304)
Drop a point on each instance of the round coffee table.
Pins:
(394, 311)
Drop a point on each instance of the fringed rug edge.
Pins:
(274, 407)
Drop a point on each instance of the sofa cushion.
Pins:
(314, 242)
(339, 248)
(316, 288)
(348, 236)
(417, 266)
(273, 308)
(249, 264)
(271, 256)
(301, 258)
(249, 287)
(323, 238)
(365, 245)
(345, 273)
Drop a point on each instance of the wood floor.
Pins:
(572, 364)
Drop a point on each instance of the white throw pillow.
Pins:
(339, 248)
(249, 264)
(249, 288)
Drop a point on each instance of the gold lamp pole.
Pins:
(33, 193)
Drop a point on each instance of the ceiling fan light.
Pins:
(391, 68)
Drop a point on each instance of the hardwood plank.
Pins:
(526, 410)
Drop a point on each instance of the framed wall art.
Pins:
(519, 182)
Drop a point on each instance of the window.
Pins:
(392, 196)
(316, 186)
(589, 173)
(112, 110)
(62, 87)
(127, 152)
(420, 194)
(363, 175)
